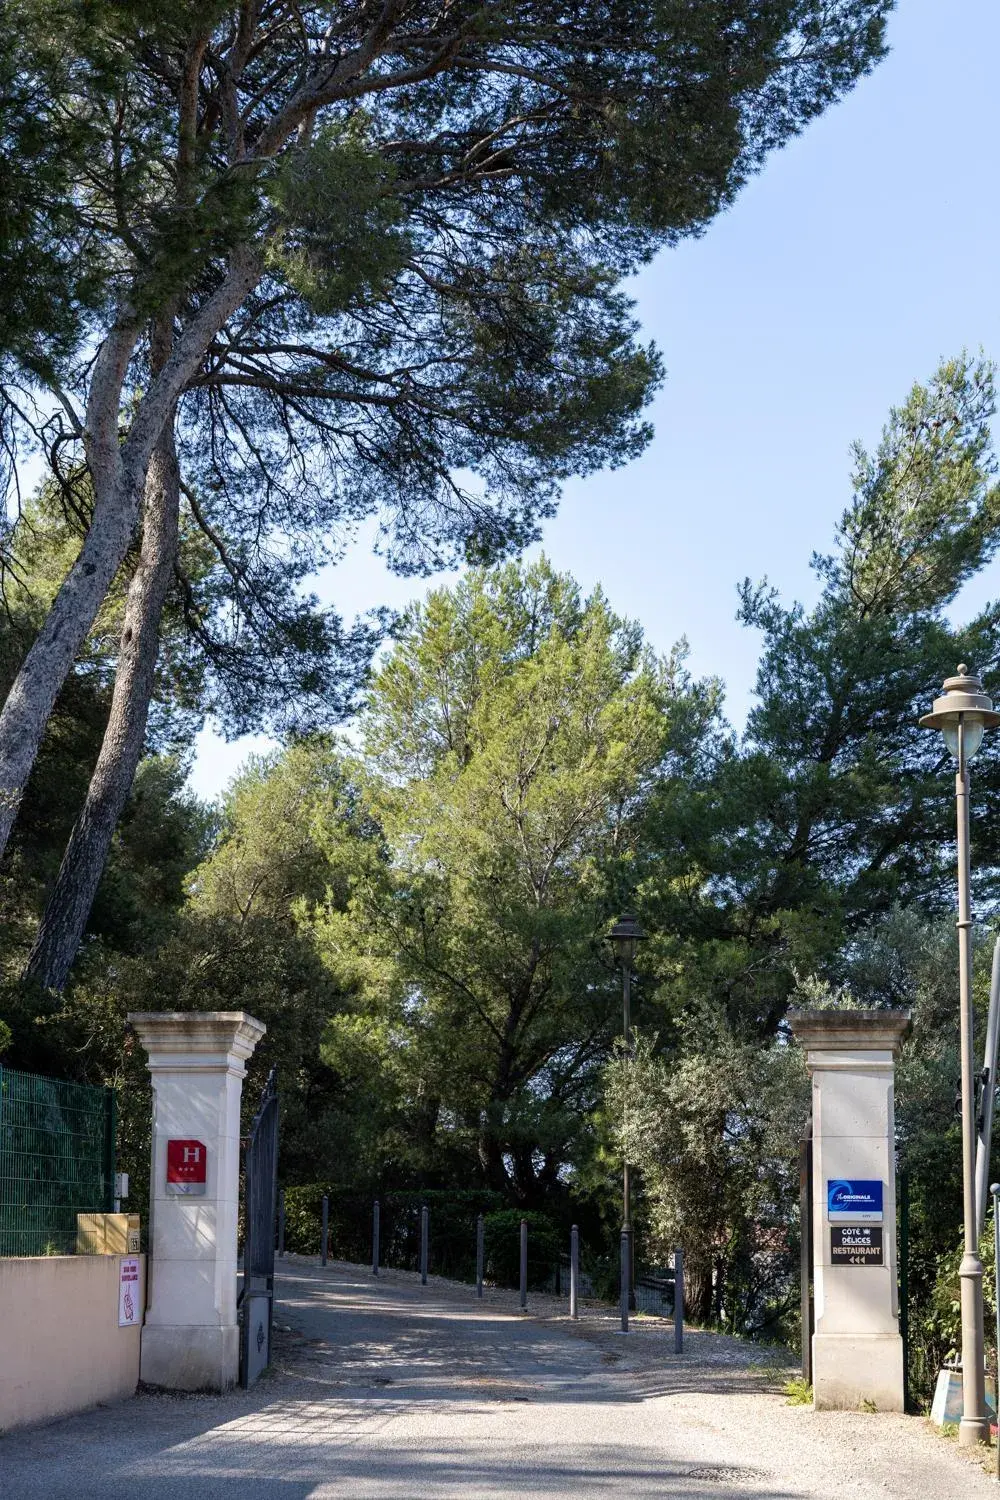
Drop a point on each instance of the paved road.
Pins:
(393, 1391)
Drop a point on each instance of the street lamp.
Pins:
(962, 714)
(625, 937)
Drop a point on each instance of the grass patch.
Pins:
(798, 1391)
(770, 1373)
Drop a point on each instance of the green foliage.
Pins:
(714, 1127)
(811, 858)
(289, 825)
(46, 281)
(502, 1238)
(348, 1216)
(926, 509)
(452, 1216)
(163, 833)
(841, 688)
(342, 231)
(428, 223)
(511, 737)
(834, 809)
(798, 1392)
(936, 1330)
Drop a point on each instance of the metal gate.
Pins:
(260, 1204)
(806, 1265)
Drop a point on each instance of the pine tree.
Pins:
(387, 244)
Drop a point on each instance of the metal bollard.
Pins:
(376, 1226)
(623, 1278)
(325, 1232)
(678, 1301)
(574, 1272)
(281, 1222)
(480, 1254)
(423, 1245)
(995, 1190)
(524, 1262)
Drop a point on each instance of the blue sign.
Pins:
(859, 1200)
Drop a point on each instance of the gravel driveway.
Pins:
(390, 1389)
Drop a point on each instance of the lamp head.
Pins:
(625, 937)
(962, 704)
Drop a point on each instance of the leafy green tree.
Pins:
(511, 739)
(836, 806)
(293, 830)
(863, 803)
(290, 823)
(714, 1128)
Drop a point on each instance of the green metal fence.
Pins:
(57, 1159)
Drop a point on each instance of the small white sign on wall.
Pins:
(128, 1292)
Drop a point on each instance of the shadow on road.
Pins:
(268, 1456)
(438, 1344)
(390, 1392)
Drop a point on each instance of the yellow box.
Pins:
(107, 1234)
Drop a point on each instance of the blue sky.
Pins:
(862, 254)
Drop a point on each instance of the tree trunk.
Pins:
(119, 473)
(698, 1290)
(46, 666)
(492, 1162)
(68, 908)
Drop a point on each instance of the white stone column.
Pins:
(190, 1339)
(857, 1352)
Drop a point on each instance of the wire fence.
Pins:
(57, 1159)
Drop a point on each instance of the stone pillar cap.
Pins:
(850, 1030)
(204, 1031)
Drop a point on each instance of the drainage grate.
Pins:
(722, 1473)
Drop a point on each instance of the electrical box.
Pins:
(107, 1234)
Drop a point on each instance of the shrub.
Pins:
(503, 1247)
(451, 1225)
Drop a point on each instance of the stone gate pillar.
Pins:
(197, 1059)
(857, 1350)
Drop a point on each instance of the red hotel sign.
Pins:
(186, 1165)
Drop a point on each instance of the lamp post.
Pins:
(625, 937)
(962, 714)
